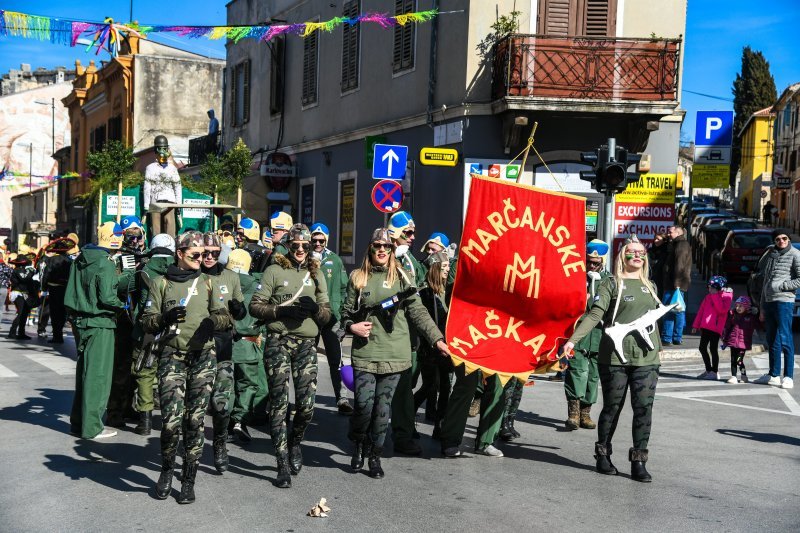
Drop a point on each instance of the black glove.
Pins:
(237, 309)
(204, 332)
(308, 305)
(290, 311)
(174, 315)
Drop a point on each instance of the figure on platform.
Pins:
(162, 184)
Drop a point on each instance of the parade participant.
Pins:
(280, 222)
(185, 309)
(436, 371)
(250, 378)
(293, 301)
(145, 363)
(381, 303)
(626, 297)
(512, 397)
(226, 283)
(92, 303)
(248, 235)
(401, 230)
(580, 381)
(438, 242)
(54, 283)
(134, 237)
(43, 303)
(162, 184)
(336, 280)
(227, 224)
(710, 320)
(738, 335)
(24, 294)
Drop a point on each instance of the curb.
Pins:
(671, 355)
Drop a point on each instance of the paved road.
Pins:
(724, 458)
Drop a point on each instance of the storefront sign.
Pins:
(592, 210)
(347, 217)
(650, 189)
(711, 176)
(440, 157)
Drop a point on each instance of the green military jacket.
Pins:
(205, 302)
(384, 352)
(636, 300)
(336, 279)
(414, 268)
(91, 295)
(279, 285)
(228, 286)
(590, 344)
(155, 266)
(247, 351)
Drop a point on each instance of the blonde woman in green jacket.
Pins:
(381, 301)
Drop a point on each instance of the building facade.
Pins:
(583, 71)
(755, 178)
(149, 89)
(25, 79)
(786, 193)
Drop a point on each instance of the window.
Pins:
(276, 74)
(115, 128)
(567, 18)
(97, 139)
(310, 74)
(240, 93)
(350, 46)
(404, 36)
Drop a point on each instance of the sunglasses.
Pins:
(317, 241)
(782, 238)
(380, 246)
(408, 233)
(636, 253)
(595, 264)
(194, 257)
(212, 253)
(298, 245)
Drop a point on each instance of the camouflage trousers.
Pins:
(222, 397)
(512, 395)
(184, 383)
(616, 380)
(373, 405)
(288, 357)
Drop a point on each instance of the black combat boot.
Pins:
(603, 455)
(638, 472)
(513, 429)
(357, 461)
(375, 469)
(220, 452)
(187, 485)
(284, 479)
(164, 484)
(145, 425)
(505, 431)
(295, 457)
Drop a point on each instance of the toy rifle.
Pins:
(644, 326)
(385, 310)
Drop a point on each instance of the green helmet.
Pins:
(161, 142)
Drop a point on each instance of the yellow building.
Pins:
(756, 164)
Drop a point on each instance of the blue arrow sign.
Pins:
(389, 161)
(714, 128)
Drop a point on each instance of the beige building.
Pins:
(786, 167)
(25, 79)
(584, 70)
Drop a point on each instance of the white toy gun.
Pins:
(643, 325)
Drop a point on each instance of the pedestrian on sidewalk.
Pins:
(23, 293)
(781, 267)
(710, 320)
(677, 277)
(738, 335)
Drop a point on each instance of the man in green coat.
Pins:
(336, 279)
(92, 302)
(582, 377)
(401, 231)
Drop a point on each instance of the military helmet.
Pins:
(299, 232)
(280, 220)
(250, 228)
(239, 261)
(109, 235)
(190, 239)
(161, 142)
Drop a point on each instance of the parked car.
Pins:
(741, 252)
(739, 223)
(698, 220)
(711, 240)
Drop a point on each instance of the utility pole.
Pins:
(30, 167)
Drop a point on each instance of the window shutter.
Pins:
(600, 15)
(310, 69)
(403, 52)
(556, 17)
(233, 76)
(277, 75)
(350, 46)
(246, 92)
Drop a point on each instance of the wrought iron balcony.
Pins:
(586, 68)
(201, 147)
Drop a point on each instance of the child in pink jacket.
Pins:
(738, 335)
(710, 320)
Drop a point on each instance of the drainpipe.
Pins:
(432, 63)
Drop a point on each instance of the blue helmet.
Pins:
(319, 227)
(130, 221)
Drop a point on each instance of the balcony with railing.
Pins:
(201, 147)
(586, 71)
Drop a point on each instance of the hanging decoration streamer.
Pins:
(108, 35)
(8, 178)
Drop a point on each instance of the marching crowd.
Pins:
(220, 322)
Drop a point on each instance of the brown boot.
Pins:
(586, 419)
(573, 412)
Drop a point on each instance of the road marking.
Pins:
(701, 396)
(684, 384)
(63, 366)
(6, 372)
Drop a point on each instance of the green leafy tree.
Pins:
(223, 175)
(753, 89)
(114, 163)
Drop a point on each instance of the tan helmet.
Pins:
(110, 236)
(280, 221)
(239, 261)
(250, 228)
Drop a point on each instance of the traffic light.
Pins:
(609, 174)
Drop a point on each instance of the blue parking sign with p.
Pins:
(714, 128)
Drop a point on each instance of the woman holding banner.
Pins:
(381, 301)
(626, 297)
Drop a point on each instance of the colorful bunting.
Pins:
(108, 35)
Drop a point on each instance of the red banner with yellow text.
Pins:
(521, 280)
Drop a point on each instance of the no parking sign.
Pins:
(387, 196)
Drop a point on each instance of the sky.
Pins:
(716, 32)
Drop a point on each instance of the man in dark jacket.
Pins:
(92, 302)
(677, 277)
(54, 282)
